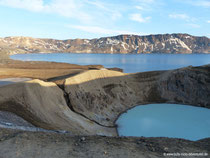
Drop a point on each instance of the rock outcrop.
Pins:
(19, 144)
(89, 102)
(166, 43)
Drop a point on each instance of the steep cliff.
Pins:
(163, 43)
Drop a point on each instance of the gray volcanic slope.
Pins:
(165, 43)
(20, 144)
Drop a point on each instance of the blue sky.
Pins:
(66, 19)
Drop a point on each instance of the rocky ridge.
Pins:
(163, 43)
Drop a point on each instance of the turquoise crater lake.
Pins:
(165, 120)
(154, 120)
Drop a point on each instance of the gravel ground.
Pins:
(23, 144)
(10, 119)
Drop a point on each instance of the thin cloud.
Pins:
(179, 16)
(186, 18)
(148, 5)
(67, 8)
(107, 8)
(32, 5)
(146, 1)
(202, 3)
(194, 25)
(100, 30)
(199, 3)
(208, 21)
(182, 17)
(85, 11)
(139, 18)
(139, 8)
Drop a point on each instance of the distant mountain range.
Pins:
(126, 44)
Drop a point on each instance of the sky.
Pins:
(70, 19)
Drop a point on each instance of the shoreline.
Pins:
(112, 53)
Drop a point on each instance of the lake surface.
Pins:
(165, 120)
(153, 120)
(130, 63)
(7, 81)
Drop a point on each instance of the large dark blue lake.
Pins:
(128, 62)
(154, 120)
